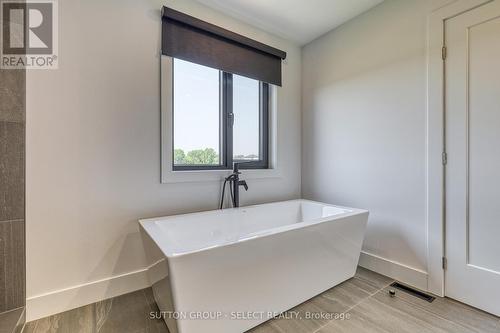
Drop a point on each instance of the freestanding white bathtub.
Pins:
(226, 271)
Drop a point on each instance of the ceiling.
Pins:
(300, 21)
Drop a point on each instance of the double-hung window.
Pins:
(219, 118)
(218, 94)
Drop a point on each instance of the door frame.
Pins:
(436, 144)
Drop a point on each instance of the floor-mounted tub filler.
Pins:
(226, 271)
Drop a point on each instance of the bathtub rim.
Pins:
(149, 226)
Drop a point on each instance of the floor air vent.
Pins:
(413, 292)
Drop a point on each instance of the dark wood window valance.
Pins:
(191, 39)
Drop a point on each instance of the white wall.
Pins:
(364, 130)
(93, 151)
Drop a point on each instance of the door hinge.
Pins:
(444, 157)
(443, 52)
(444, 263)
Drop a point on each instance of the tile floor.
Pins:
(363, 300)
(11, 321)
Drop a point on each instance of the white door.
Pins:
(473, 146)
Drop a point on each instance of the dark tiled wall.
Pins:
(12, 171)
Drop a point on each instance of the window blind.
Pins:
(191, 39)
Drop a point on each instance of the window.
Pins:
(218, 119)
(196, 115)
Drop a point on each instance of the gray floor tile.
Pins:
(346, 295)
(363, 300)
(10, 319)
(319, 310)
(447, 310)
(301, 324)
(408, 314)
(128, 313)
(381, 317)
(358, 325)
(401, 304)
(81, 320)
(266, 327)
(377, 280)
(150, 299)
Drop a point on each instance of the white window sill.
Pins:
(216, 175)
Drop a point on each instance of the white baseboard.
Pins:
(58, 301)
(54, 302)
(408, 275)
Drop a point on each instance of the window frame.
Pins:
(226, 116)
